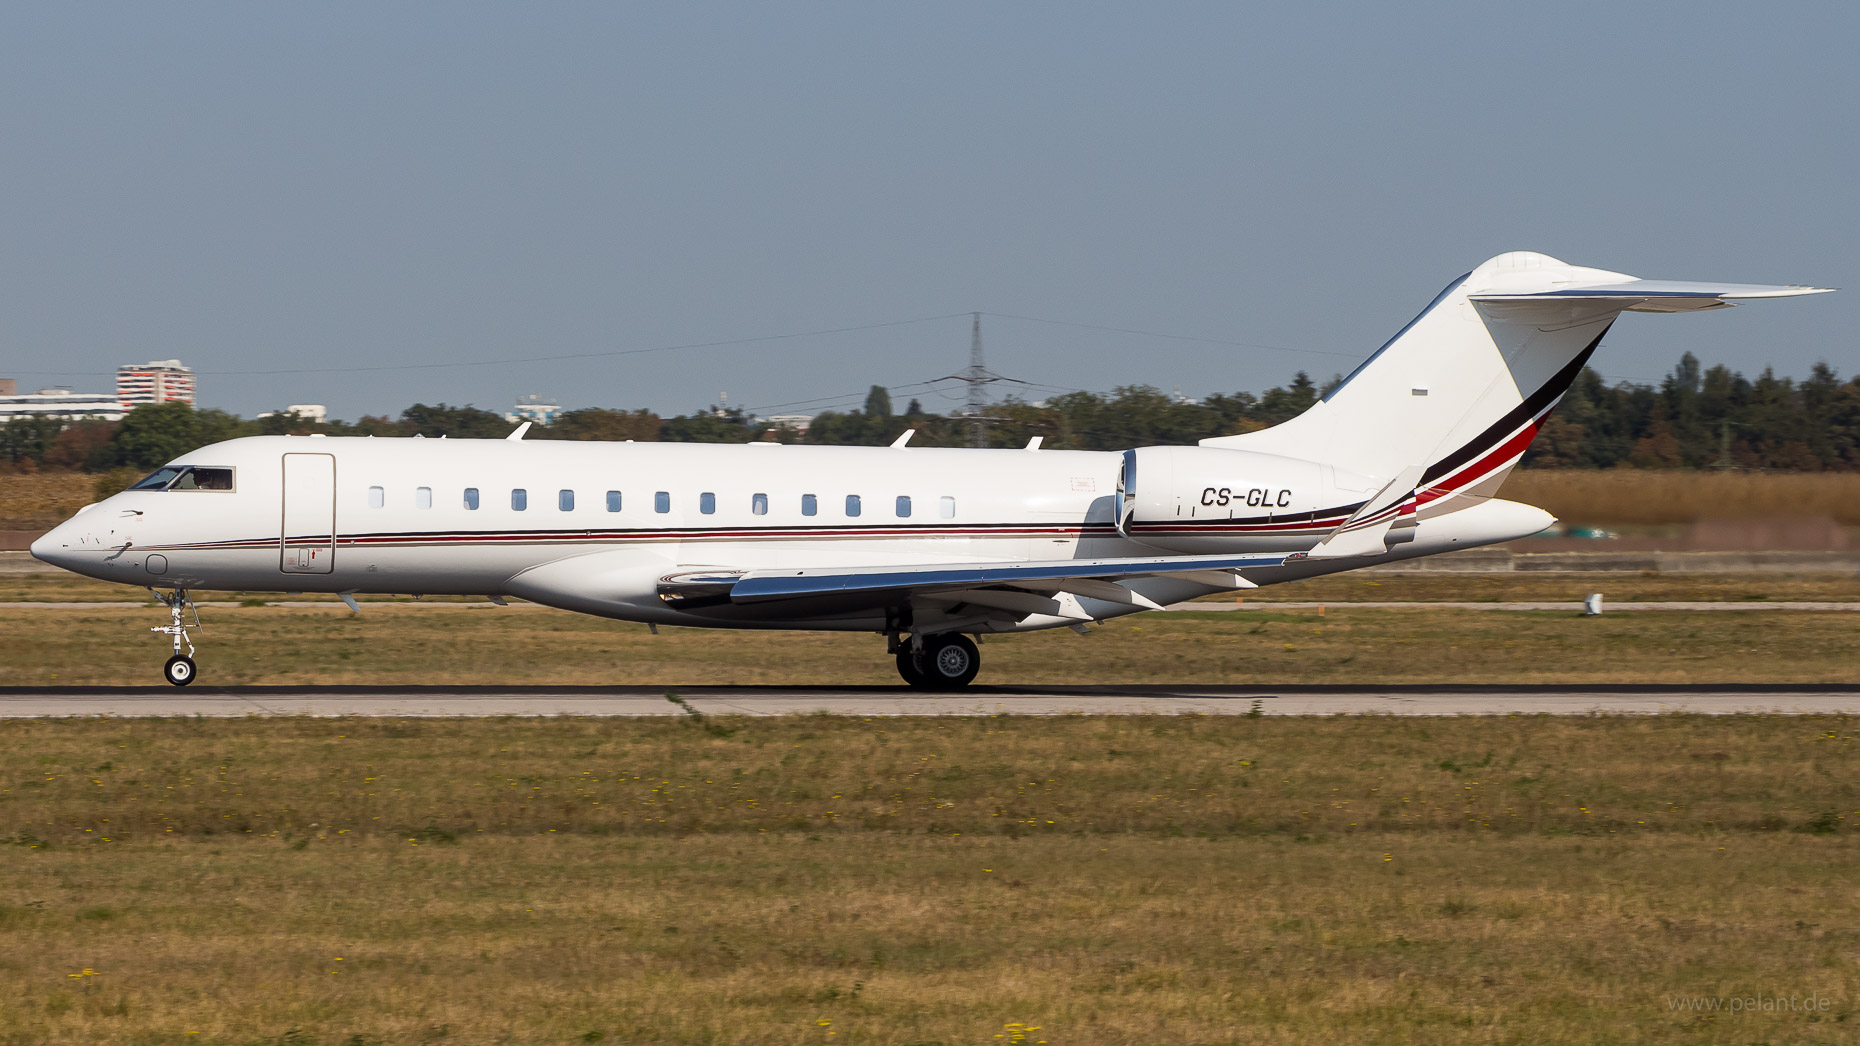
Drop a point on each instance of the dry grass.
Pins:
(1633, 497)
(443, 644)
(42, 500)
(821, 881)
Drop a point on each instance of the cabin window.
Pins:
(810, 505)
(707, 503)
(565, 500)
(904, 506)
(759, 504)
(613, 501)
(377, 497)
(852, 504)
(946, 507)
(662, 501)
(422, 497)
(471, 498)
(519, 500)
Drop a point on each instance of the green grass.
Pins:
(824, 880)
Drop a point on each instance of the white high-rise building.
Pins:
(157, 381)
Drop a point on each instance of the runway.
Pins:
(636, 701)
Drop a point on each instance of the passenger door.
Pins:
(308, 535)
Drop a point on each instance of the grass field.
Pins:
(34, 500)
(398, 644)
(1634, 497)
(820, 880)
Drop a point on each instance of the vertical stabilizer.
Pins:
(1464, 387)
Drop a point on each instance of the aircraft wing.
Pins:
(1094, 578)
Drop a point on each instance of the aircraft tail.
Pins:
(1460, 392)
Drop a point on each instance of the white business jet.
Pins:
(924, 546)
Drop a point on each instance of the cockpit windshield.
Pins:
(187, 477)
(158, 479)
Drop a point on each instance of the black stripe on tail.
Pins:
(1533, 405)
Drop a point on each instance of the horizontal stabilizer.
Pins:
(1658, 295)
(764, 585)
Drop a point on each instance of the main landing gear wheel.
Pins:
(945, 662)
(179, 670)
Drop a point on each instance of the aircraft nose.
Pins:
(50, 547)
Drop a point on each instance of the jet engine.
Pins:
(1208, 499)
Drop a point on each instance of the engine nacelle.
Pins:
(1206, 499)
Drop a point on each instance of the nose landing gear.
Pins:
(179, 669)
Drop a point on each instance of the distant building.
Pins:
(315, 413)
(56, 403)
(799, 423)
(157, 381)
(534, 408)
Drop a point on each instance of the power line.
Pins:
(975, 318)
(854, 397)
(559, 356)
(1174, 337)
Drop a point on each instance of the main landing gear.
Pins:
(180, 668)
(943, 662)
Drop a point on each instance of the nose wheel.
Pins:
(179, 669)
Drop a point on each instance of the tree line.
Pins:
(1695, 418)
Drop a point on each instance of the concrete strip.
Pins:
(885, 701)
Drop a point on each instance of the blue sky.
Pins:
(318, 189)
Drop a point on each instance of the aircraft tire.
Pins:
(950, 661)
(179, 670)
(908, 668)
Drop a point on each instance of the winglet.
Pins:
(903, 439)
(521, 429)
